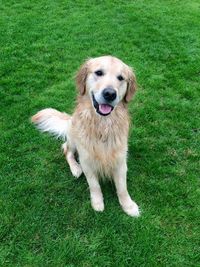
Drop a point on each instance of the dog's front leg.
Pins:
(128, 205)
(94, 186)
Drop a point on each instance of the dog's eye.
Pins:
(99, 73)
(120, 78)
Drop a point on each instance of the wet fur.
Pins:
(101, 142)
(104, 137)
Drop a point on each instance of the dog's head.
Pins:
(107, 81)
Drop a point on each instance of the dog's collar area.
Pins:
(102, 109)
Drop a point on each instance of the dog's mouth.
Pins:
(102, 109)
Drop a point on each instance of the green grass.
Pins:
(45, 215)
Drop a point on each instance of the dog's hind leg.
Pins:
(59, 124)
(75, 167)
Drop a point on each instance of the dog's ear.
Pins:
(131, 87)
(81, 78)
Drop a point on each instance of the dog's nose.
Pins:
(109, 94)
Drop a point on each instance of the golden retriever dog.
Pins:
(98, 129)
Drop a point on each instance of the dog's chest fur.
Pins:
(103, 140)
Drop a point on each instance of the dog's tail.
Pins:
(52, 121)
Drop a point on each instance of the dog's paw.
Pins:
(132, 209)
(76, 170)
(98, 205)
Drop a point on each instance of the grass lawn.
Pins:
(45, 215)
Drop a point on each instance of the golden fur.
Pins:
(100, 141)
(104, 137)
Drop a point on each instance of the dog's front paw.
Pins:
(132, 209)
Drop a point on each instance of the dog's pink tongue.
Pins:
(104, 109)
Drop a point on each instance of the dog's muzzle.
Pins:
(109, 94)
(103, 109)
